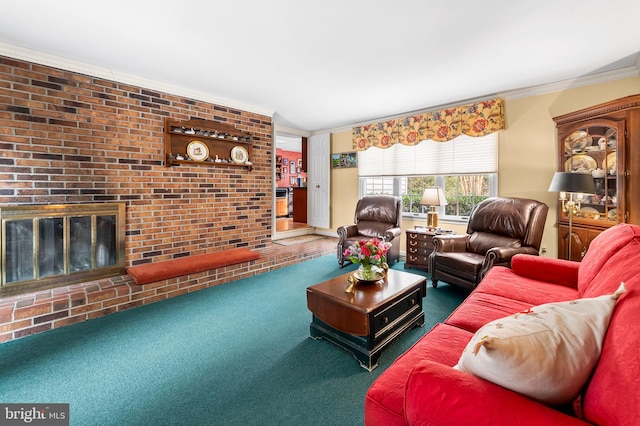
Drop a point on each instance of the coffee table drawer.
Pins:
(402, 310)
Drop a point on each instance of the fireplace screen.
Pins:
(47, 246)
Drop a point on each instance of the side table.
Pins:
(419, 246)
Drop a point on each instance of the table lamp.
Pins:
(433, 196)
(575, 185)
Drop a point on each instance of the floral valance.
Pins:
(477, 119)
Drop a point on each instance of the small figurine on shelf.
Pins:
(179, 157)
(217, 160)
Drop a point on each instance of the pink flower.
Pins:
(368, 252)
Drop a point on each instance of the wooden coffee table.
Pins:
(370, 318)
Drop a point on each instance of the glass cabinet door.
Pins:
(594, 149)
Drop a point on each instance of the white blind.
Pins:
(464, 154)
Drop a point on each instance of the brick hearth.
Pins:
(43, 311)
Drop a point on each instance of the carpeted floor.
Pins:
(298, 240)
(236, 354)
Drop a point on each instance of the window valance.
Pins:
(477, 119)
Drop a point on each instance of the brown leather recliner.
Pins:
(377, 216)
(498, 228)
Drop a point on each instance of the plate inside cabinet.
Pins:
(580, 163)
(610, 162)
(197, 151)
(612, 214)
(239, 154)
(576, 141)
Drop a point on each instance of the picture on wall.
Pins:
(299, 162)
(285, 170)
(285, 162)
(344, 160)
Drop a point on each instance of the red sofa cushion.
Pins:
(506, 283)
(457, 398)
(603, 255)
(502, 293)
(384, 403)
(156, 271)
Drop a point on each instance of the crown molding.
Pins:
(290, 131)
(29, 55)
(587, 80)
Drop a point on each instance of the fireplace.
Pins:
(45, 246)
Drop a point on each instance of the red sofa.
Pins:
(422, 388)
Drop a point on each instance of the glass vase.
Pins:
(370, 272)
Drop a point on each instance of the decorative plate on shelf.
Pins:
(590, 213)
(612, 214)
(197, 151)
(239, 154)
(610, 162)
(576, 141)
(580, 163)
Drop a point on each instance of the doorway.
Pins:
(290, 186)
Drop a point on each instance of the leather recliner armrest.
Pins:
(450, 243)
(347, 231)
(502, 256)
(391, 234)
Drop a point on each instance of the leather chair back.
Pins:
(376, 214)
(506, 222)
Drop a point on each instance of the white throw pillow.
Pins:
(547, 352)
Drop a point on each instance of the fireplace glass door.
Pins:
(60, 244)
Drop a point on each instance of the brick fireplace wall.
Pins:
(72, 138)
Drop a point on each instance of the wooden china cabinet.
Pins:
(603, 140)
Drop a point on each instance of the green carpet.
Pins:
(235, 354)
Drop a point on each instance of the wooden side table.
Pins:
(419, 245)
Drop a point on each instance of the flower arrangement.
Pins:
(370, 254)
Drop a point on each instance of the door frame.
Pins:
(287, 131)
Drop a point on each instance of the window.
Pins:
(466, 168)
(463, 192)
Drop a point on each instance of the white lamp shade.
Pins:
(433, 196)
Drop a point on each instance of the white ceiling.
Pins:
(319, 65)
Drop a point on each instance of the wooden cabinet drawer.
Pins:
(424, 246)
(402, 310)
(418, 260)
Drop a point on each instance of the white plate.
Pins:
(197, 151)
(239, 154)
(580, 163)
(610, 162)
(576, 141)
